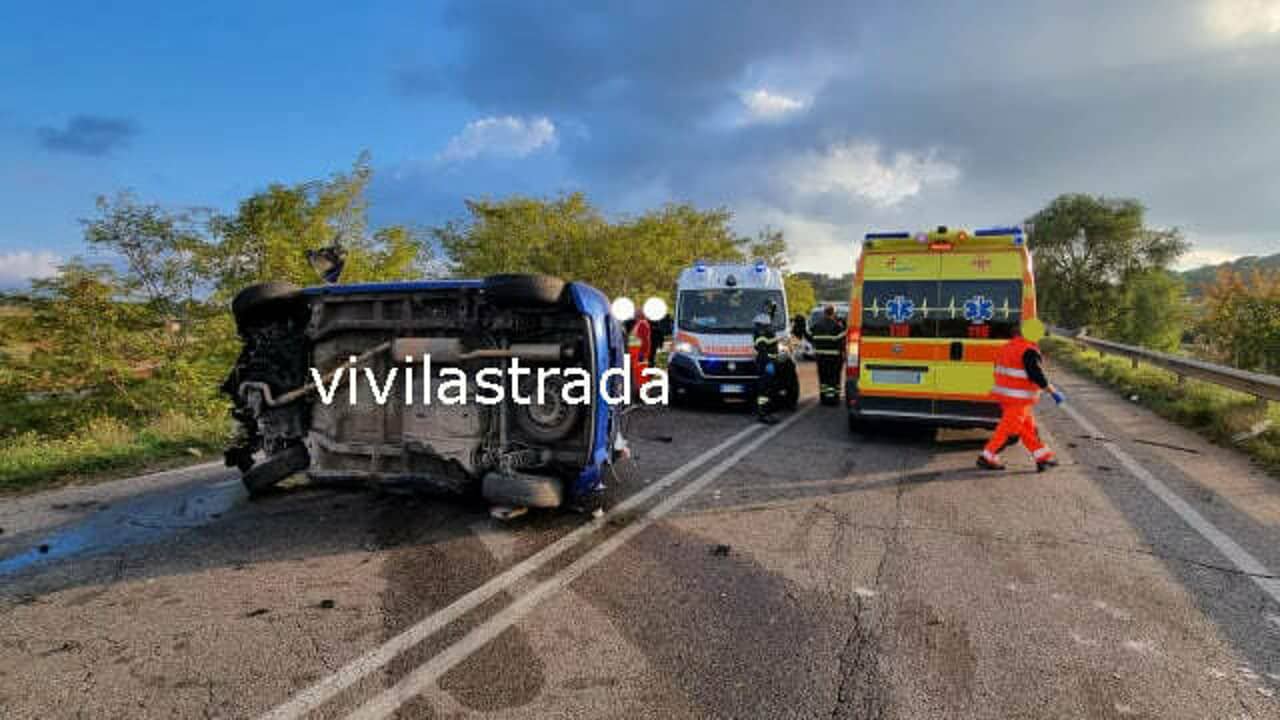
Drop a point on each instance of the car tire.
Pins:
(514, 289)
(270, 472)
(263, 299)
(523, 490)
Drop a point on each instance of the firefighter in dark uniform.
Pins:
(828, 345)
(766, 346)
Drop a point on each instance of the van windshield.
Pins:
(727, 310)
(979, 309)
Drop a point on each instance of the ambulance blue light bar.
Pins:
(699, 266)
(888, 236)
(994, 231)
(760, 266)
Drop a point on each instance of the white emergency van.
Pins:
(712, 354)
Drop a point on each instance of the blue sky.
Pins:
(823, 118)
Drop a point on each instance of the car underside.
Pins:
(331, 380)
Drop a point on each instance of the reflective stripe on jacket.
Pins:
(828, 337)
(766, 345)
(1011, 381)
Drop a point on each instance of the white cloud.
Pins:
(1234, 20)
(16, 268)
(856, 169)
(504, 136)
(1198, 257)
(763, 105)
(814, 245)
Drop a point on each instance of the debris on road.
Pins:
(256, 613)
(1254, 431)
(720, 550)
(327, 604)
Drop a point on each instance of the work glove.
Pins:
(769, 369)
(1058, 397)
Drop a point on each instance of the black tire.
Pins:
(263, 299)
(856, 425)
(268, 473)
(523, 490)
(793, 390)
(513, 289)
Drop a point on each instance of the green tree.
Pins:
(1087, 248)
(568, 237)
(1242, 320)
(268, 236)
(1156, 311)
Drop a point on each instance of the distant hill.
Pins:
(1197, 278)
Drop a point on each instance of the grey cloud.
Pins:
(1028, 98)
(91, 135)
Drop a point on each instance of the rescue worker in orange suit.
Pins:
(638, 346)
(766, 347)
(1019, 379)
(828, 346)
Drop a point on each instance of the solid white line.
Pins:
(346, 676)
(1229, 548)
(427, 674)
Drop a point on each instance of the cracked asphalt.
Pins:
(821, 574)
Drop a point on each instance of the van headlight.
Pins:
(685, 347)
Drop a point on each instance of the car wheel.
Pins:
(268, 473)
(523, 490)
(263, 299)
(512, 289)
(547, 421)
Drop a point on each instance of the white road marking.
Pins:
(426, 675)
(1238, 556)
(1274, 620)
(346, 676)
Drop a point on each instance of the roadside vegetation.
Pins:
(1224, 416)
(114, 365)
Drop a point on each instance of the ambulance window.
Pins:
(899, 308)
(988, 309)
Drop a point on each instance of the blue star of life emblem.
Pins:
(979, 309)
(900, 308)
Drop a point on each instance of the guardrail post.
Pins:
(1134, 362)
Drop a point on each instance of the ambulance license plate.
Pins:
(733, 389)
(896, 377)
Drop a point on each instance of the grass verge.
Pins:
(1217, 413)
(107, 448)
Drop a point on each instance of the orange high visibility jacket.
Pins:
(1012, 383)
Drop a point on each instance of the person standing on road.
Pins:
(828, 346)
(1019, 378)
(766, 346)
(638, 346)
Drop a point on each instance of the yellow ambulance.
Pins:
(927, 313)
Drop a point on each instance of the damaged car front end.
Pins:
(297, 343)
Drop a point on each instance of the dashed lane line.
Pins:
(346, 676)
(1229, 548)
(426, 675)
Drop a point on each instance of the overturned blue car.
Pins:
(395, 384)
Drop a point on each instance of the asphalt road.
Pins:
(795, 571)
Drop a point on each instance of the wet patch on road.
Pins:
(145, 519)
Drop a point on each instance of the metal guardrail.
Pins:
(1263, 387)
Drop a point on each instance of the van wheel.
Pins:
(512, 289)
